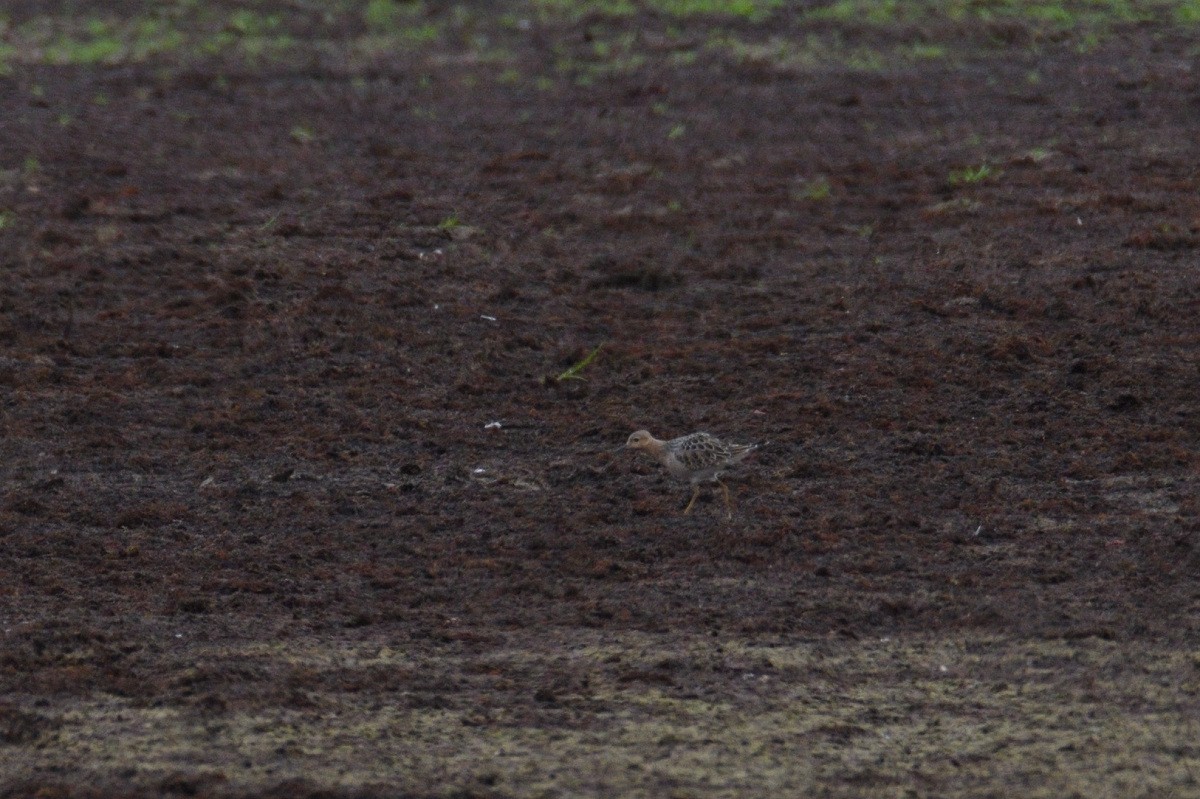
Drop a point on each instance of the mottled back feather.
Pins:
(702, 456)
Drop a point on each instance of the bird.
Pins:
(696, 457)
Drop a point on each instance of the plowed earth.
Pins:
(258, 535)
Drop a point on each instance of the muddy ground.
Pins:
(266, 288)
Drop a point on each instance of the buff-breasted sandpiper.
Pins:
(697, 458)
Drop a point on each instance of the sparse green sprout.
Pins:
(31, 166)
(270, 222)
(972, 175)
(250, 23)
(302, 134)
(573, 372)
(677, 131)
(683, 58)
(926, 52)
(7, 219)
(449, 223)
(575, 9)
(420, 34)
(815, 190)
(383, 15)
(873, 12)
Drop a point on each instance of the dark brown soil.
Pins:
(257, 318)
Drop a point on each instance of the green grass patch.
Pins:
(577, 9)
(1187, 12)
(194, 30)
(957, 715)
(1059, 14)
(753, 10)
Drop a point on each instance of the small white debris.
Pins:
(1079, 221)
(943, 669)
(492, 426)
(978, 530)
(524, 24)
(479, 470)
(178, 635)
(759, 413)
(488, 318)
(207, 482)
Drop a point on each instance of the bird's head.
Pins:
(639, 440)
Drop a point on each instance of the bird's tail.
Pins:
(739, 452)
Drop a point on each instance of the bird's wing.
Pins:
(699, 451)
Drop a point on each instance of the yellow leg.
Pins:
(728, 504)
(695, 493)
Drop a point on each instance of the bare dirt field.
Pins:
(271, 272)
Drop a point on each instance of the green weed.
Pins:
(972, 175)
(302, 134)
(573, 372)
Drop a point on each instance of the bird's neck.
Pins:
(657, 448)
